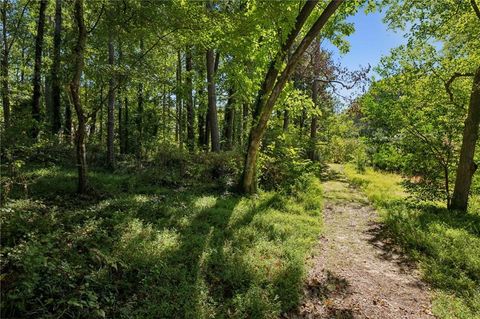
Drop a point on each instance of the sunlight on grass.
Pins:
(195, 253)
(205, 202)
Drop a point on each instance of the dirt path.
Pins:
(355, 271)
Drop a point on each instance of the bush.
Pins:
(281, 162)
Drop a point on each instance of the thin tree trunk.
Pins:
(228, 121)
(190, 109)
(201, 121)
(178, 101)
(212, 101)
(139, 118)
(93, 125)
(126, 124)
(466, 166)
(314, 122)
(111, 108)
(75, 95)
(67, 130)
(273, 86)
(120, 123)
(4, 71)
(38, 68)
(55, 75)
(101, 114)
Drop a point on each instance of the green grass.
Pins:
(446, 244)
(137, 249)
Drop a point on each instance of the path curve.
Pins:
(355, 271)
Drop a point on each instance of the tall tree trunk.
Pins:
(37, 75)
(178, 102)
(314, 122)
(81, 156)
(139, 118)
(55, 73)
(4, 71)
(466, 166)
(120, 123)
(212, 101)
(111, 108)
(67, 130)
(273, 86)
(228, 121)
(201, 120)
(126, 124)
(208, 129)
(190, 109)
(101, 114)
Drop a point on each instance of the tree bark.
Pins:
(67, 130)
(126, 124)
(38, 68)
(466, 166)
(190, 109)
(111, 108)
(79, 50)
(228, 121)
(120, 123)
(56, 87)
(4, 71)
(101, 114)
(202, 141)
(273, 86)
(178, 102)
(139, 117)
(212, 102)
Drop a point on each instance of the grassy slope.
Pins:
(139, 250)
(446, 244)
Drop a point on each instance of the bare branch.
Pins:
(102, 9)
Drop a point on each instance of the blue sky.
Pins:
(370, 41)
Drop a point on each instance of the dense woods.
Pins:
(164, 158)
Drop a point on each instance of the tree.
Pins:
(460, 39)
(273, 84)
(189, 100)
(111, 106)
(466, 165)
(55, 72)
(78, 56)
(212, 100)
(38, 67)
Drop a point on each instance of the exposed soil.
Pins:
(356, 271)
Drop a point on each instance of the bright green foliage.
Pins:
(140, 250)
(413, 113)
(446, 244)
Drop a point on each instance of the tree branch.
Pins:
(14, 35)
(450, 81)
(475, 8)
(102, 9)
